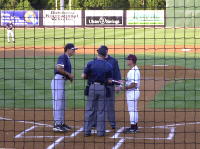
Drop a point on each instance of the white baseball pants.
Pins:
(10, 33)
(132, 102)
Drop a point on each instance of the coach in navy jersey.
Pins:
(63, 72)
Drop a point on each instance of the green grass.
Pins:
(178, 94)
(98, 36)
(25, 82)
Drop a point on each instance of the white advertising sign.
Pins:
(62, 17)
(145, 17)
(103, 17)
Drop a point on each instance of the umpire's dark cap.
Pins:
(70, 46)
(103, 50)
(132, 57)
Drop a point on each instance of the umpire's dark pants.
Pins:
(110, 106)
(95, 106)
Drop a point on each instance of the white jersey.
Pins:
(133, 76)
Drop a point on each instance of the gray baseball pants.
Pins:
(95, 106)
(110, 106)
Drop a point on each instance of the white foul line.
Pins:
(27, 122)
(116, 135)
(118, 145)
(52, 146)
(76, 133)
(25, 131)
(38, 137)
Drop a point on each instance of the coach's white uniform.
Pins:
(132, 95)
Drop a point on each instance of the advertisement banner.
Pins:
(145, 17)
(62, 17)
(20, 17)
(104, 17)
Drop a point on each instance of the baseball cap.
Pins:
(70, 46)
(131, 57)
(102, 50)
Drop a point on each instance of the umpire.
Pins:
(99, 74)
(110, 107)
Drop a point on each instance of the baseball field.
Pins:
(168, 58)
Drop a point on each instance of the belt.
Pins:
(61, 75)
(98, 83)
(133, 89)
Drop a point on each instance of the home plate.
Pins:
(186, 50)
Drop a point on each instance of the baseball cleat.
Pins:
(87, 134)
(66, 127)
(59, 128)
(130, 130)
(113, 127)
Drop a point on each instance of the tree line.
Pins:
(83, 4)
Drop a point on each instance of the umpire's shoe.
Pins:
(130, 130)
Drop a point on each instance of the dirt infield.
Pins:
(158, 128)
(13, 51)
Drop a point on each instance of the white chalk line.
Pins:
(25, 131)
(76, 133)
(119, 131)
(132, 138)
(174, 125)
(52, 146)
(120, 142)
(123, 139)
(27, 122)
(171, 134)
(118, 145)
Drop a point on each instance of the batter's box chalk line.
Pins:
(171, 128)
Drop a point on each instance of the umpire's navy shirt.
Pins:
(98, 70)
(64, 61)
(115, 71)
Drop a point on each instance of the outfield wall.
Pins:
(80, 18)
(183, 13)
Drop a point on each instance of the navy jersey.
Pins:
(115, 66)
(64, 61)
(9, 26)
(98, 70)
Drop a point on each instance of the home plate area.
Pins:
(38, 132)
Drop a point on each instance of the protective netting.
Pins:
(43, 80)
(182, 13)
